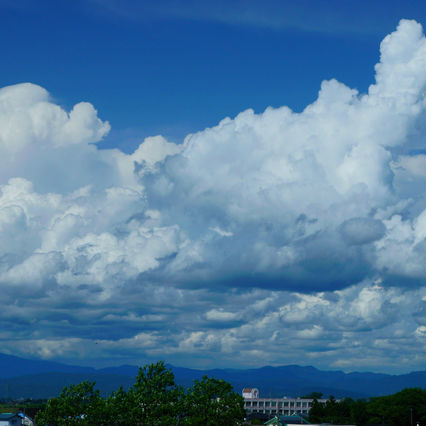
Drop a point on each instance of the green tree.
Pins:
(358, 412)
(330, 410)
(397, 409)
(154, 398)
(117, 408)
(212, 402)
(317, 412)
(343, 411)
(76, 405)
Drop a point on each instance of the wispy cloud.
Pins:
(348, 17)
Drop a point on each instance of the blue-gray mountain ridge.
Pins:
(25, 378)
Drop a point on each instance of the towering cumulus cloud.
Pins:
(266, 229)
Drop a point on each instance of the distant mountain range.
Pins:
(26, 378)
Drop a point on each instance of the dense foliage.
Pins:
(405, 408)
(154, 399)
(212, 402)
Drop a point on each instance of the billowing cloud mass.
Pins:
(268, 239)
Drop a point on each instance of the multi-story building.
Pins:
(275, 406)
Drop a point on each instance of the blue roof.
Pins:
(293, 419)
(7, 416)
(283, 420)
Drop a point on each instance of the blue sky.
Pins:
(205, 182)
(177, 67)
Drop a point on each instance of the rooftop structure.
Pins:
(250, 393)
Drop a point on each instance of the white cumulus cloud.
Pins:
(264, 229)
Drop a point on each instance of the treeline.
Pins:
(405, 408)
(154, 399)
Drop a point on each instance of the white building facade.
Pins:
(275, 406)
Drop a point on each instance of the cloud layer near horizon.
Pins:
(266, 229)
